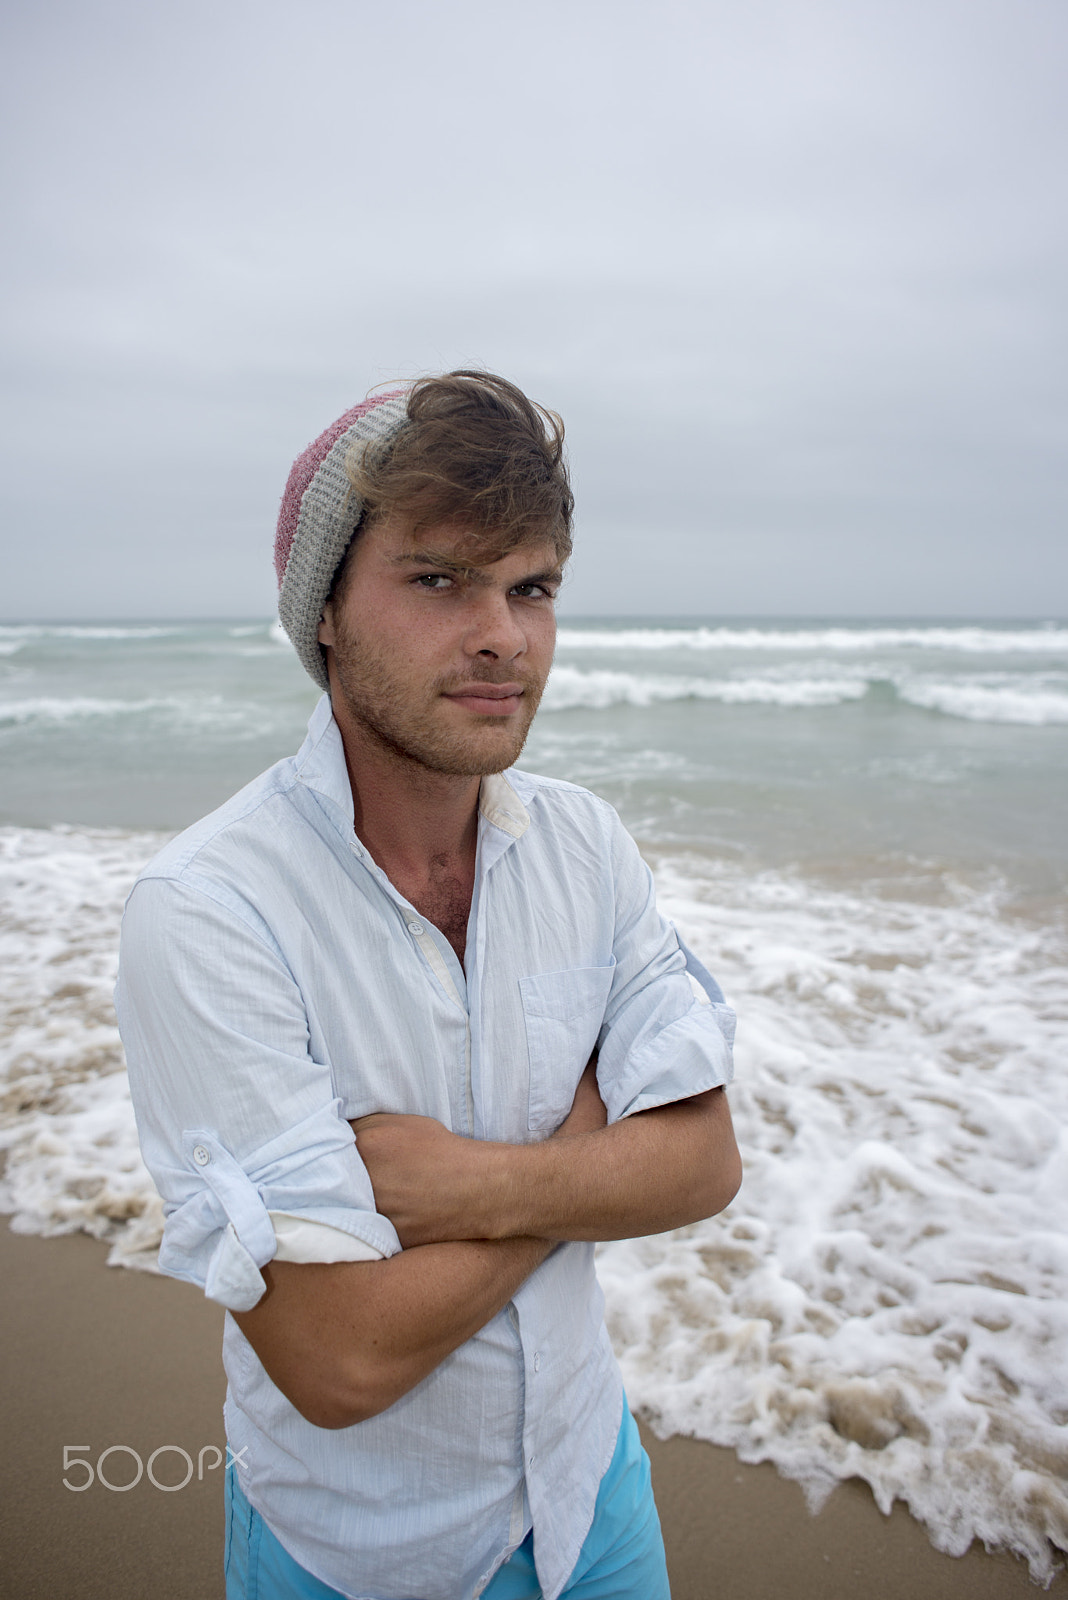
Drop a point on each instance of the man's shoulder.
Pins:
(261, 826)
(568, 812)
(240, 824)
(531, 783)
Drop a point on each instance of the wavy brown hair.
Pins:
(477, 454)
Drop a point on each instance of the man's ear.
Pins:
(326, 626)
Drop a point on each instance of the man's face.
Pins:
(438, 662)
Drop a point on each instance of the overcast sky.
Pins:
(794, 273)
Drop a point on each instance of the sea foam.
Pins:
(886, 1298)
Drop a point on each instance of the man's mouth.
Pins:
(488, 699)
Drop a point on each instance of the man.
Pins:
(405, 1033)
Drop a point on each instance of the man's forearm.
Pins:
(656, 1170)
(344, 1341)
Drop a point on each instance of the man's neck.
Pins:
(419, 826)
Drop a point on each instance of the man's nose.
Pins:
(495, 629)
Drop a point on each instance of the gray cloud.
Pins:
(794, 276)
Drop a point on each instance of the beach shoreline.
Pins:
(130, 1363)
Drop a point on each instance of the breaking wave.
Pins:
(971, 640)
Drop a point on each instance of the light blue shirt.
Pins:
(273, 983)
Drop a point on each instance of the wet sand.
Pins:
(96, 1358)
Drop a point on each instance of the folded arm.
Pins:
(655, 1170)
(345, 1341)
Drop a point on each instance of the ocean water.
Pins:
(861, 829)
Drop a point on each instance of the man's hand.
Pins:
(429, 1182)
(656, 1170)
(425, 1178)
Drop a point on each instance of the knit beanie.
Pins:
(319, 514)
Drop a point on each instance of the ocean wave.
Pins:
(204, 715)
(272, 631)
(53, 708)
(1030, 704)
(1030, 700)
(971, 640)
(40, 630)
(571, 689)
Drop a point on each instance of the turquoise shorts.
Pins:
(622, 1558)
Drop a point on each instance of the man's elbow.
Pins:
(718, 1176)
(333, 1414)
(349, 1398)
(723, 1179)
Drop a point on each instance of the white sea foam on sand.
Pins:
(888, 1296)
(66, 1121)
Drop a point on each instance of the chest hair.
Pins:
(445, 900)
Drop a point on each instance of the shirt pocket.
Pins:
(563, 1013)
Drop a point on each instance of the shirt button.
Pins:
(200, 1155)
(537, 1361)
(530, 1463)
(415, 927)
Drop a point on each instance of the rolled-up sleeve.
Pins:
(660, 1042)
(238, 1122)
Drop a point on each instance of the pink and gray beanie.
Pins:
(319, 514)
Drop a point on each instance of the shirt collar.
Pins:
(321, 766)
(499, 804)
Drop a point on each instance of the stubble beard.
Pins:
(410, 732)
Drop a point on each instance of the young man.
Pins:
(405, 1034)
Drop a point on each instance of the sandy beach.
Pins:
(98, 1358)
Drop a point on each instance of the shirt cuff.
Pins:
(686, 1058)
(223, 1232)
(692, 1054)
(298, 1239)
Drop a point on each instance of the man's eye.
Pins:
(532, 591)
(434, 580)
